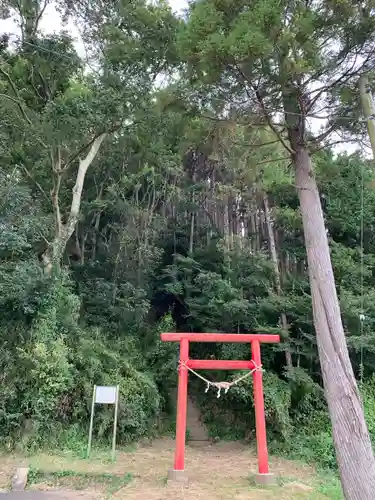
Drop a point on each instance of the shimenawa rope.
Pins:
(221, 385)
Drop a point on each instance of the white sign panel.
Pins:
(105, 395)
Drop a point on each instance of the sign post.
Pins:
(105, 395)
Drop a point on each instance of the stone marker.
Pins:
(20, 479)
(177, 476)
(265, 479)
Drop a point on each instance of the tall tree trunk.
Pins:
(192, 231)
(192, 217)
(257, 229)
(275, 261)
(95, 236)
(368, 109)
(30, 13)
(226, 225)
(351, 438)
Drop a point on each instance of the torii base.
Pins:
(265, 479)
(177, 476)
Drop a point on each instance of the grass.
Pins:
(71, 479)
(330, 487)
(218, 472)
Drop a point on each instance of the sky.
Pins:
(178, 5)
(51, 22)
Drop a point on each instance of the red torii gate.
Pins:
(178, 471)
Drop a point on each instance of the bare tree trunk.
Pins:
(83, 248)
(226, 228)
(351, 438)
(30, 14)
(368, 109)
(253, 231)
(96, 226)
(275, 261)
(258, 228)
(192, 231)
(54, 253)
(192, 218)
(95, 236)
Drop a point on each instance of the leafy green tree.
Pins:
(188, 217)
(282, 66)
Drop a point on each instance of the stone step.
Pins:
(199, 444)
(197, 429)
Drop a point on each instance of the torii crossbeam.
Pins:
(254, 364)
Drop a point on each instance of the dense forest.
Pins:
(159, 185)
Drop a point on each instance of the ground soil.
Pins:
(216, 472)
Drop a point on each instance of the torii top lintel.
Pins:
(244, 338)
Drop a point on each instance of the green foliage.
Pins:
(232, 416)
(312, 441)
(49, 380)
(368, 395)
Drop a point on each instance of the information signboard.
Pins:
(104, 395)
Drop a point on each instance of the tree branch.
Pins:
(18, 101)
(253, 144)
(77, 190)
(56, 168)
(314, 149)
(65, 231)
(344, 78)
(264, 109)
(272, 160)
(325, 134)
(19, 106)
(226, 120)
(35, 182)
(56, 204)
(89, 144)
(41, 12)
(271, 124)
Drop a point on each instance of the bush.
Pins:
(94, 361)
(162, 359)
(36, 378)
(313, 441)
(233, 417)
(48, 378)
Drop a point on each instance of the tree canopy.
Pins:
(177, 180)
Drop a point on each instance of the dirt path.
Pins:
(198, 434)
(218, 472)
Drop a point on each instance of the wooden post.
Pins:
(91, 422)
(115, 424)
